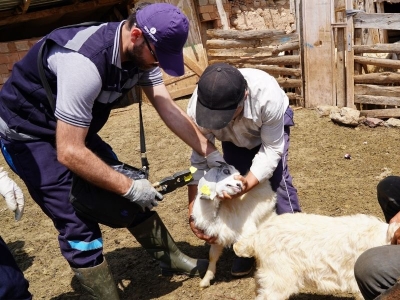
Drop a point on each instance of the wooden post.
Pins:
(222, 14)
(349, 58)
(383, 37)
(338, 21)
(318, 46)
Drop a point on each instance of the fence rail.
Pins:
(273, 51)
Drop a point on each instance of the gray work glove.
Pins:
(12, 194)
(214, 158)
(143, 194)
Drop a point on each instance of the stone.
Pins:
(392, 122)
(346, 115)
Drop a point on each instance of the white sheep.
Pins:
(229, 219)
(308, 251)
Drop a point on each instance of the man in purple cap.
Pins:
(249, 113)
(89, 68)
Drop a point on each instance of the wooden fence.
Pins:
(272, 51)
(377, 77)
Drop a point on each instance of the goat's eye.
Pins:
(226, 172)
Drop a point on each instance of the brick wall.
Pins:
(209, 13)
(11, 52)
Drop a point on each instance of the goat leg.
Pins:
(214, 254)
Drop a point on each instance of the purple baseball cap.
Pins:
(167, 28)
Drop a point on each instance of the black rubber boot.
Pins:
(242, 266)
(155, 238)
(98, 281)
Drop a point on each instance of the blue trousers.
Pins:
(49, 184)
(281, 180)
(13, 285)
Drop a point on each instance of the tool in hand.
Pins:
(171, 183)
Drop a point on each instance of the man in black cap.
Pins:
(249, 113)
(377, 270)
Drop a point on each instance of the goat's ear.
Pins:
(206, 192)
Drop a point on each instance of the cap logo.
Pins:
(151, 32)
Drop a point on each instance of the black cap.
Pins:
(220, 89)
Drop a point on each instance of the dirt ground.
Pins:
(327, 184)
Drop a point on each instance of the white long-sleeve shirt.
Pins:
(260, 123)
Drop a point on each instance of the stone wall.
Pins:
(250, 14)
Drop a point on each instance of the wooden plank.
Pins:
(239, 34)
(223, 44)
(289, 83)
(240, 52)
(378, 78)
(371, 34)
(377, 90)
(378, 100)
(377, 48)
(379, 21)
(286, 47)
(340, 85)
(222, 15)
(383, 36)
(381, 62)
(318, 53)
(381, 113)
(293, 43)
(187, 90)
(278, 60)
(275, 70)
(192, 65)
(349, 58)
(357, 41)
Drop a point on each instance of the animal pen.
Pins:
(332, 52)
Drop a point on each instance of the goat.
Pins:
(297, 251)
(228, 220)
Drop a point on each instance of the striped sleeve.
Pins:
(152, 77)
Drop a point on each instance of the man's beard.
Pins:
(135, 56)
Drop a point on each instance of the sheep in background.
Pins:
(230, 219)
(308, 251)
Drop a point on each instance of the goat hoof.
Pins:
(204, 284)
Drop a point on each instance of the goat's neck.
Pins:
(216, 203)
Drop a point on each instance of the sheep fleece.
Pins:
(308, 251)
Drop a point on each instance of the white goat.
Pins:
(230, 219)
(297, 251)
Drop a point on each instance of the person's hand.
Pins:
(143, 193)
(214, 158)
(396, 237)
(226, 196)
(200, 233)
(12, 194)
